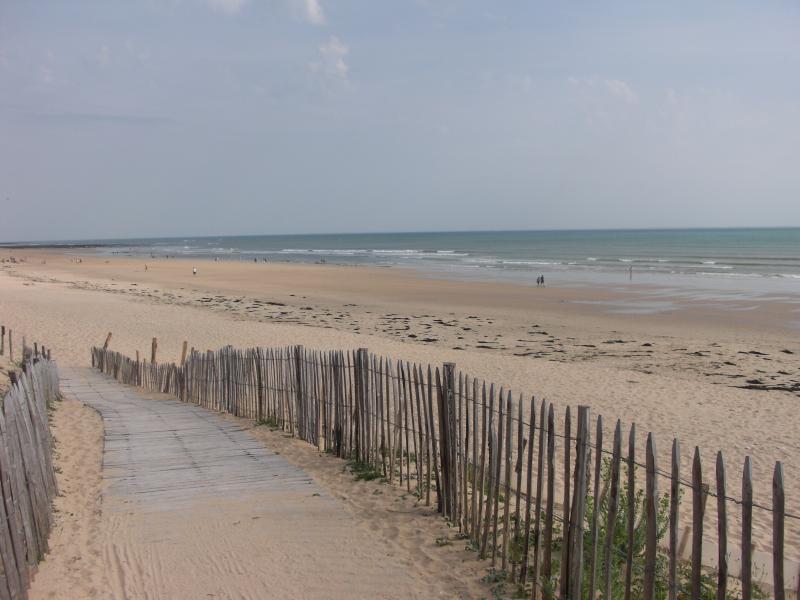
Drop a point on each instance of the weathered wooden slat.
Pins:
(698, 509)
(521, 442)
(564, 574)
(631, 512)
(507, 483)
(491, 451)
(613, 505)
(722, 531)
(778, 517)
(547, 562)
(651, 509)
(537, 532)
(498, 475)
(674, 514)
(528, 496)
(578, 508)
(593, 530)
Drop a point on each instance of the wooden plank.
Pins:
(747, 530)
(674, 515)
(578, 508)
(465, 507)
(778, 517)
(482, 500)
(497, 474)
(424, 454)
(566, 533)
(521, 442)
(698, 509)
(722, 531)
(651, 510)
(475, 510)
(13, 557)
(492, 450)
(507, 483)
(528, 496)
(631, 486)
(593, 530)
(613, 506)
(434, 450)
(537, 539)
(549, 512)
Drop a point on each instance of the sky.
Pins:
(224, 117)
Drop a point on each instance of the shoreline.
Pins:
(684, 374)
(760, 312)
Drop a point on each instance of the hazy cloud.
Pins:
(230, 7)
(311, 11)
(104, 56)
(621, 90)
(331, 59)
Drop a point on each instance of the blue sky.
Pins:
(201, 117)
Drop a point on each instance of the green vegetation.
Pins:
(619, 551)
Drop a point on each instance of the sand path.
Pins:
(194, 507)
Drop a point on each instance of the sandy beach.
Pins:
(716, 376)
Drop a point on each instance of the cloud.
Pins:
(100, 118)
(311, 11)
(616, 88)
(621, 90)
(134, 52)
(104, 56)
(46, 75)
(230, 7)
(331, 61)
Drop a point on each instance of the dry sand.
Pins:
(684, 373)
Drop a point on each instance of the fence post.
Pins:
(445, 450)
(153, 349)
(10, 347)
(183, 352)
(260, 382)
(107, 342)
(575, 571)
(2, 340)
(359, 376)
(298, 382)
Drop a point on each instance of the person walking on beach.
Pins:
(194, 270)
(541, 279)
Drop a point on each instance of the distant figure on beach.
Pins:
(541, 280)
(145, 267)
(630, 273)
(194, 270)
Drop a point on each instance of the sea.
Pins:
(735, 258)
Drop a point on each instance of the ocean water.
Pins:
(749, 256)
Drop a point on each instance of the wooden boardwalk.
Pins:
(195, 507)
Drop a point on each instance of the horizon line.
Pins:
(73, 241)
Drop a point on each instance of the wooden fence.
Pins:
(593, 524)
(27, 477)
